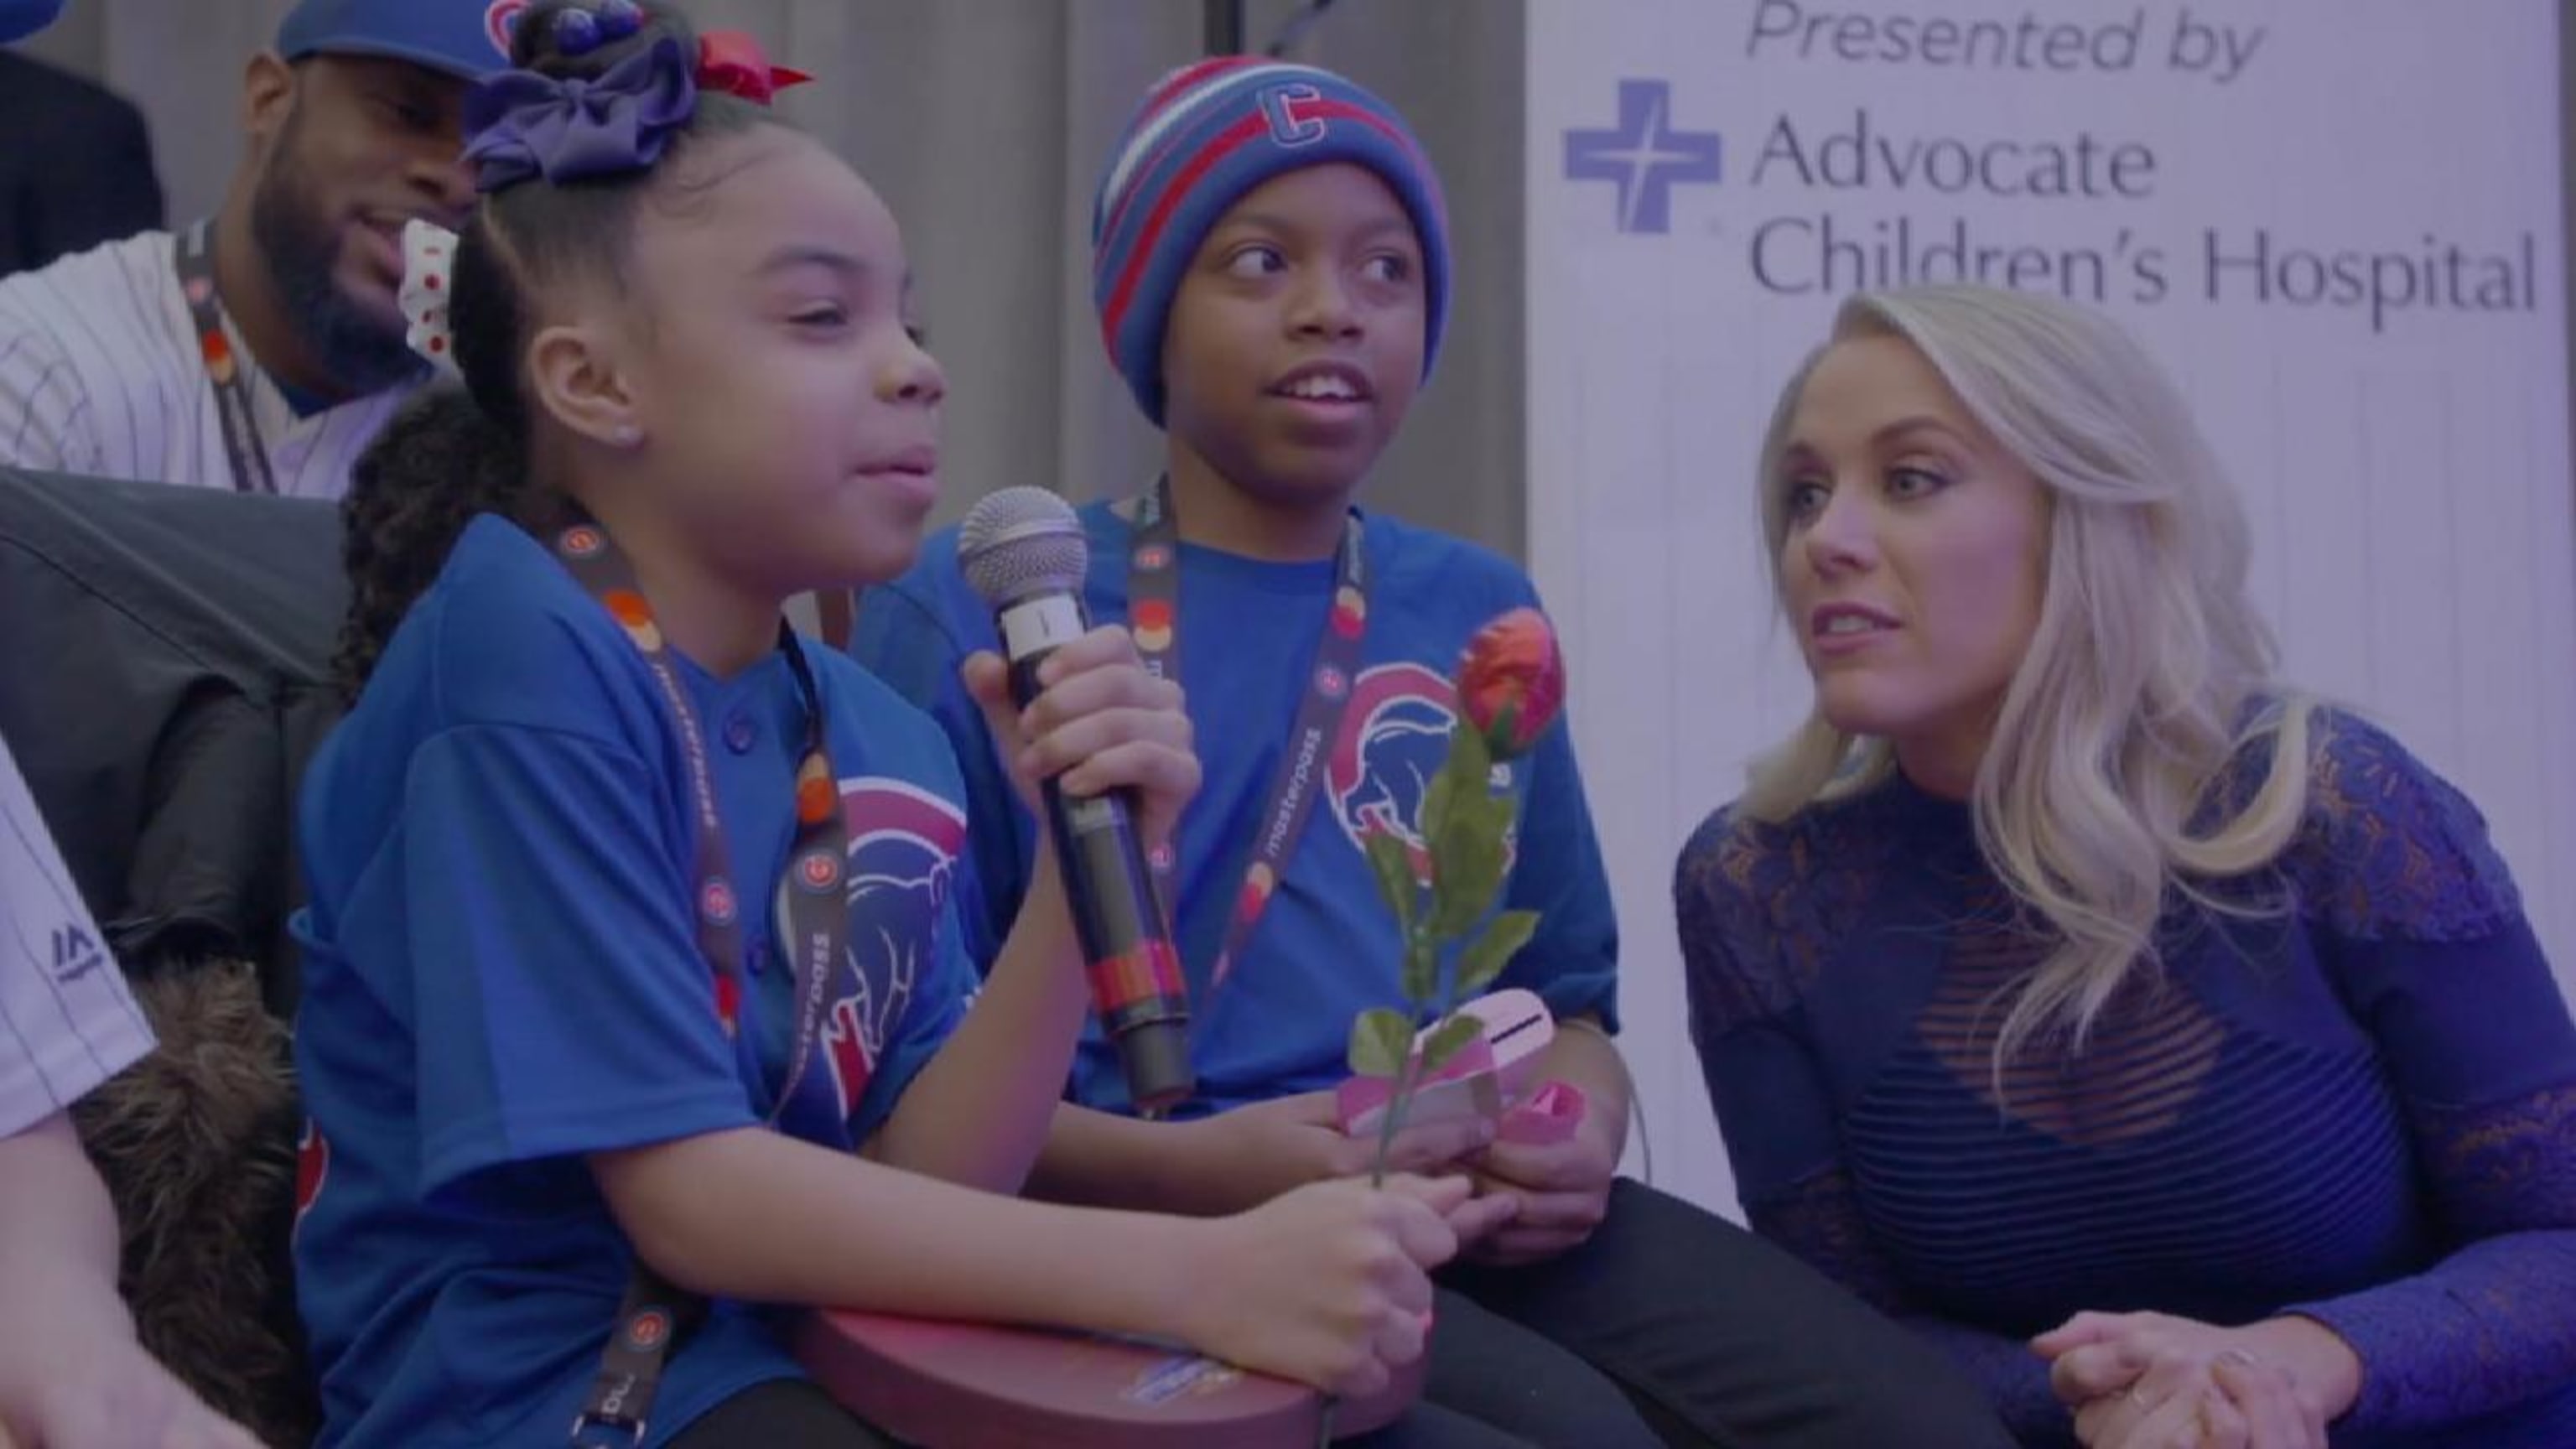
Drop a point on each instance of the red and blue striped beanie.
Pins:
(1206, 135)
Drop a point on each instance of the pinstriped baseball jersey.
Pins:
(102, 372)
(67, 1022)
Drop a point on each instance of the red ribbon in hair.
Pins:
(732, 62)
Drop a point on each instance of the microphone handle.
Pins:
(1119, 916)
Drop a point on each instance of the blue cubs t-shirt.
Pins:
(502, 975)
(1326, 949)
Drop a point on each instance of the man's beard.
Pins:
(297, 244)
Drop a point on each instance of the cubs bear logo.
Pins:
(312, 1170)
(904, 845)
(501, 23)
(1394, 739)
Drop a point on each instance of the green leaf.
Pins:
(1470, 760)
(1470, 801)
(1450, 1038)
(1450, 802)
(1467, 853)
(1504, 936)
(1471, 870)
(1380, 1041)
(1394, 865)
(1435, 805)
(1421, 969)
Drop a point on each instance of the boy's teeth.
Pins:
(1320, 387)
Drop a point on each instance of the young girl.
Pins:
(1272, 270)
(2169, 1049)
(634, 977)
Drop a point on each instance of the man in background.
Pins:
(263, 349)
(71, 1370)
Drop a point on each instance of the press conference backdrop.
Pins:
(2339, 221)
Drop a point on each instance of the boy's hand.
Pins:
(1561, 1192)
(1269, 1148)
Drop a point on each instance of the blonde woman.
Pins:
(2172, 1049)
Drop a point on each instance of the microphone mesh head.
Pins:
(1022, 541)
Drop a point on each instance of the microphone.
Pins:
(1022, 550)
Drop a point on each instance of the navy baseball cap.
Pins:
(22, 18)
(463, 38)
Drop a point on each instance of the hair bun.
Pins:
(582, 39)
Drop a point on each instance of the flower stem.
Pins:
(1407, 1078)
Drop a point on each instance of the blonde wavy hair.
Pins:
(2149, 671)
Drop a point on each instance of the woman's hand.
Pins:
(2146, 1380)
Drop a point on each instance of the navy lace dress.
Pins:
(2358, 1104)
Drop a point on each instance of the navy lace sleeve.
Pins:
(2425, 934)
(1774, 1113)
(1751, 918)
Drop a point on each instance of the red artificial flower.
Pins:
(1511, 682)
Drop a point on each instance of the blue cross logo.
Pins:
(1644, 155)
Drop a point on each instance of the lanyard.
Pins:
(193, 254)
(1154, 609)
(816, 915)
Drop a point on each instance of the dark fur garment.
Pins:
(197, 1144)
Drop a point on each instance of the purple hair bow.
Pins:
(524, 125)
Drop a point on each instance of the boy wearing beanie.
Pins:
(1271, 268)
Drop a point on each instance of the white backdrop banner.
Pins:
(2337, 221)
